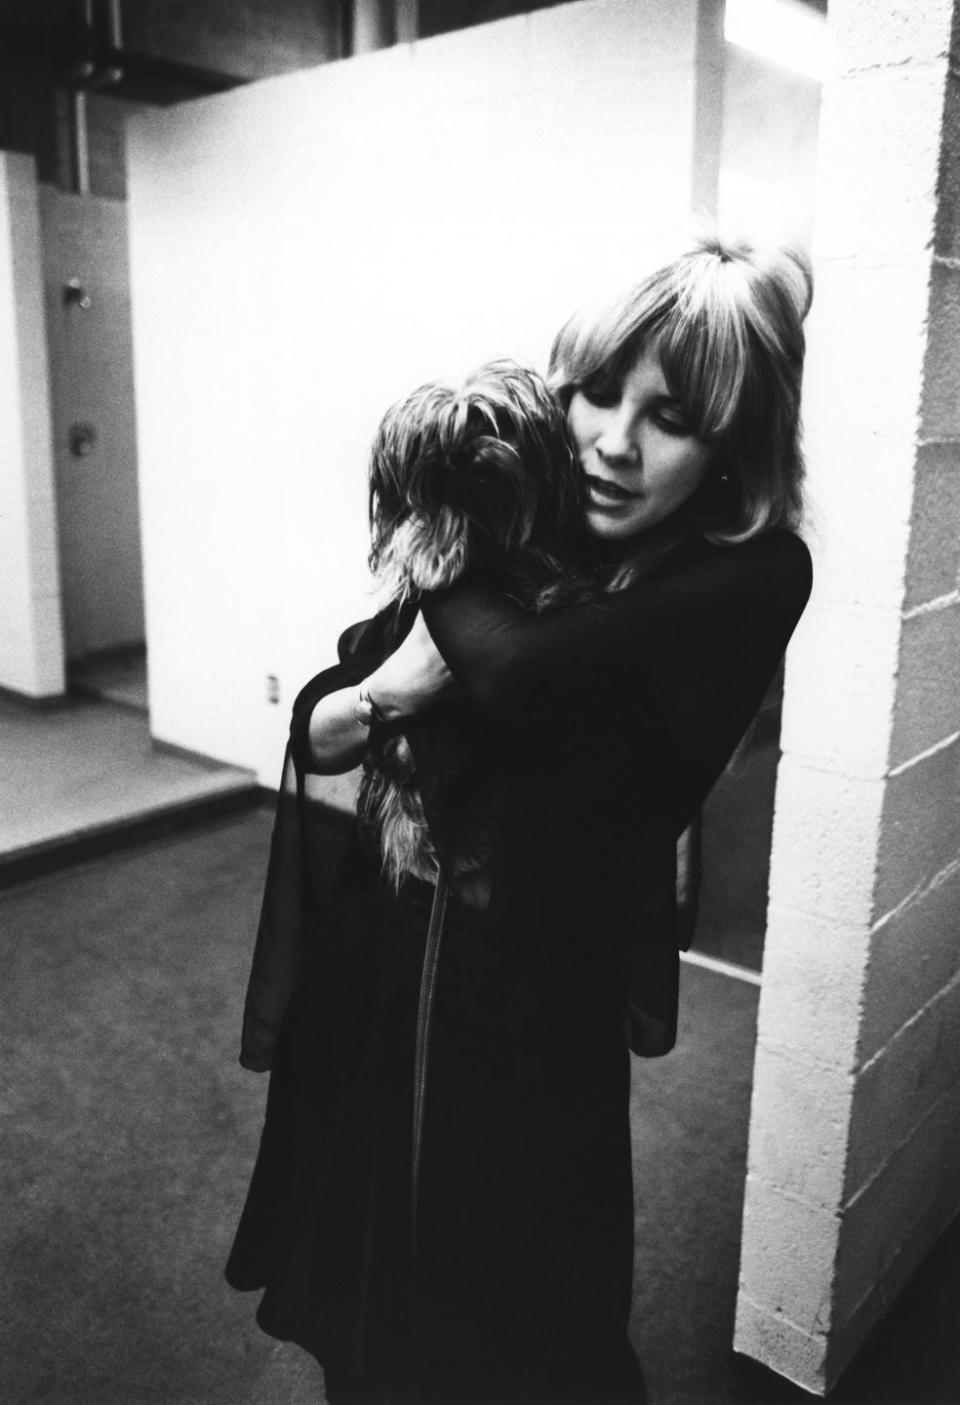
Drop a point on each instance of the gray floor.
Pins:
(129, 1133)
(88, 763)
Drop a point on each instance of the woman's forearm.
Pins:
(339, 727)
(410, 680)
(338, 734)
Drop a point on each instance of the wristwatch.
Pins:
(365, 709)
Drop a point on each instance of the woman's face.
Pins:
(640, 458)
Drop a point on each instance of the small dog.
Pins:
(481, 475)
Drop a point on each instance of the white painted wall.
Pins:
(768, 148)
(854, 1165)
(307, 249)
(31, 648)
(91, 381)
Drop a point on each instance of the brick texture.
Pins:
(913, 956)
(933, 563)
(855, 1137)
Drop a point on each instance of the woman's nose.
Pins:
(617, 442)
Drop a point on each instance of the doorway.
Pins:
(89, 335)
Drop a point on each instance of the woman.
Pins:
(605, 723)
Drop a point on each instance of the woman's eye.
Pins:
(672, 421)
(603, 394)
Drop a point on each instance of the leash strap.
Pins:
(428, 981)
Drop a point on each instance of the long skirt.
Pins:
(509, 1280)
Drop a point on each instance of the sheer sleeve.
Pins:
(514, 663)
(615, 718)
(662, 677)
(293, 911)
(361, 650)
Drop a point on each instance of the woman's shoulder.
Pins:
(777, 557)
(779, 552)
(379, 635)
(767, 577)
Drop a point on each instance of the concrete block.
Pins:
(920, 832)
(913, 955)
(859, 536)
(947, 237)
(875, 33)
(798, 1132)
(772, 1340)
(896, 1091)
(824, 855)
(840, 700)
(940, 410)
(848, 1335)
(880, 1223)
(928, 687)
(787, 1256)
(866, 345)
(879, 158)
(814, 972)
(933, 560)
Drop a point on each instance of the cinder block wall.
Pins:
(31, 651)
(307, 249)
(855, 1136)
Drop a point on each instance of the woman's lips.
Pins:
(607, 494)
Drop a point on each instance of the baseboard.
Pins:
(37, 860)
(29, 703)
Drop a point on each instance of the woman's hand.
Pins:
(412, 679)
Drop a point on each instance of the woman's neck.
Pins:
(600, 553)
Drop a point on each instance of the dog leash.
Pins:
(421, 1059)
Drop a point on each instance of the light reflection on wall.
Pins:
(778, 53)
(786, 31)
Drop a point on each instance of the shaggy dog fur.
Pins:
(480, 475)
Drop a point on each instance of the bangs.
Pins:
(694, 315)
(704, 344)
(725, 321)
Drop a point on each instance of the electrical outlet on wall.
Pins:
(273, 688)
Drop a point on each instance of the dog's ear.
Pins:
(425, 553)
(488, 485)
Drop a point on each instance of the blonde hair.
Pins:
(726, 320)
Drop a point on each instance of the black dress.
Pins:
(604, 725)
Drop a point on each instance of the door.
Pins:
(87, 285)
